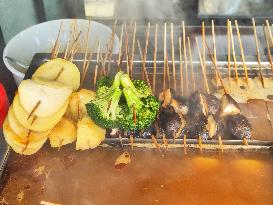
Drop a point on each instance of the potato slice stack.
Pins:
(39, 106)
(46, 107)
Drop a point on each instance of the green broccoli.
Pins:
(140, 101)
(105, 109)
(104, 81)
(124, 104)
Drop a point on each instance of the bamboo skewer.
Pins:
(202, 66)
(155, 143)
(86, 46)
(34, 109)
(59, 73)
(133, 51)
(66, 49)
(192, 72)
(165, 53)
(228, 41)
(73, 46)
(143, 64)
(214, 50)
(269, 30)
(203, 45)
(220, 143)
(111, 46)
(181, 65)
(120, 47)
(155, 52)
(96, 68)
(268, 49)
(233, 53)
(173, 63)
(185, 56)
(200, 143)
(185, 144)
(145, 53)
(56, 44)
(258, 52)
(216, 69)
(165, 141)
(242, 50)
(132, 141)
(168, 71)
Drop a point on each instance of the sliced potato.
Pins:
(15, 125)
(89, 135)
(74, 109)
(77, 108)
(85, 96)
(60, 70)
(28, 146)
(37, 123)
(50, 96)
(63, 133)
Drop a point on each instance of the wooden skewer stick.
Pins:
(269, 30)
(146, 44)
(133, 51)
(34, 109)
(228, 46)
(173, 62)
(143, 64)
(27, 142)
(53, 52)
(155, 143)
(202, 66)
(185, 144)
(165, 54)
(200, 143)
(66, 49)
(97, 65)
(132, 141)
(34, 119)
(59, 73)
(268, 49)
(168, 71)
(73, 46)
(185, 56)
(165, 141)
(233, 53)
(111, 45)
(120, 47)
(181, 66)
(258, 51)
(192, 72)
(220, 143)
(203, 45)
(242, 50)
(216, 68)
(155, 52)
(86, 46)
(214, 50)
(245, 142)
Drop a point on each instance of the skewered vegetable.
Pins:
(105, 109)
(238, 126)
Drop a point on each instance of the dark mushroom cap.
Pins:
(238, 126)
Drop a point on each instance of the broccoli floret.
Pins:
(139, 101)
(104, 81)
(142, 87)
(105, 109)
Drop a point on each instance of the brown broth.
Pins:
(89, 177)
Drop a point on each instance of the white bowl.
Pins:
(41, 37)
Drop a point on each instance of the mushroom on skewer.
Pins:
(238, 126)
